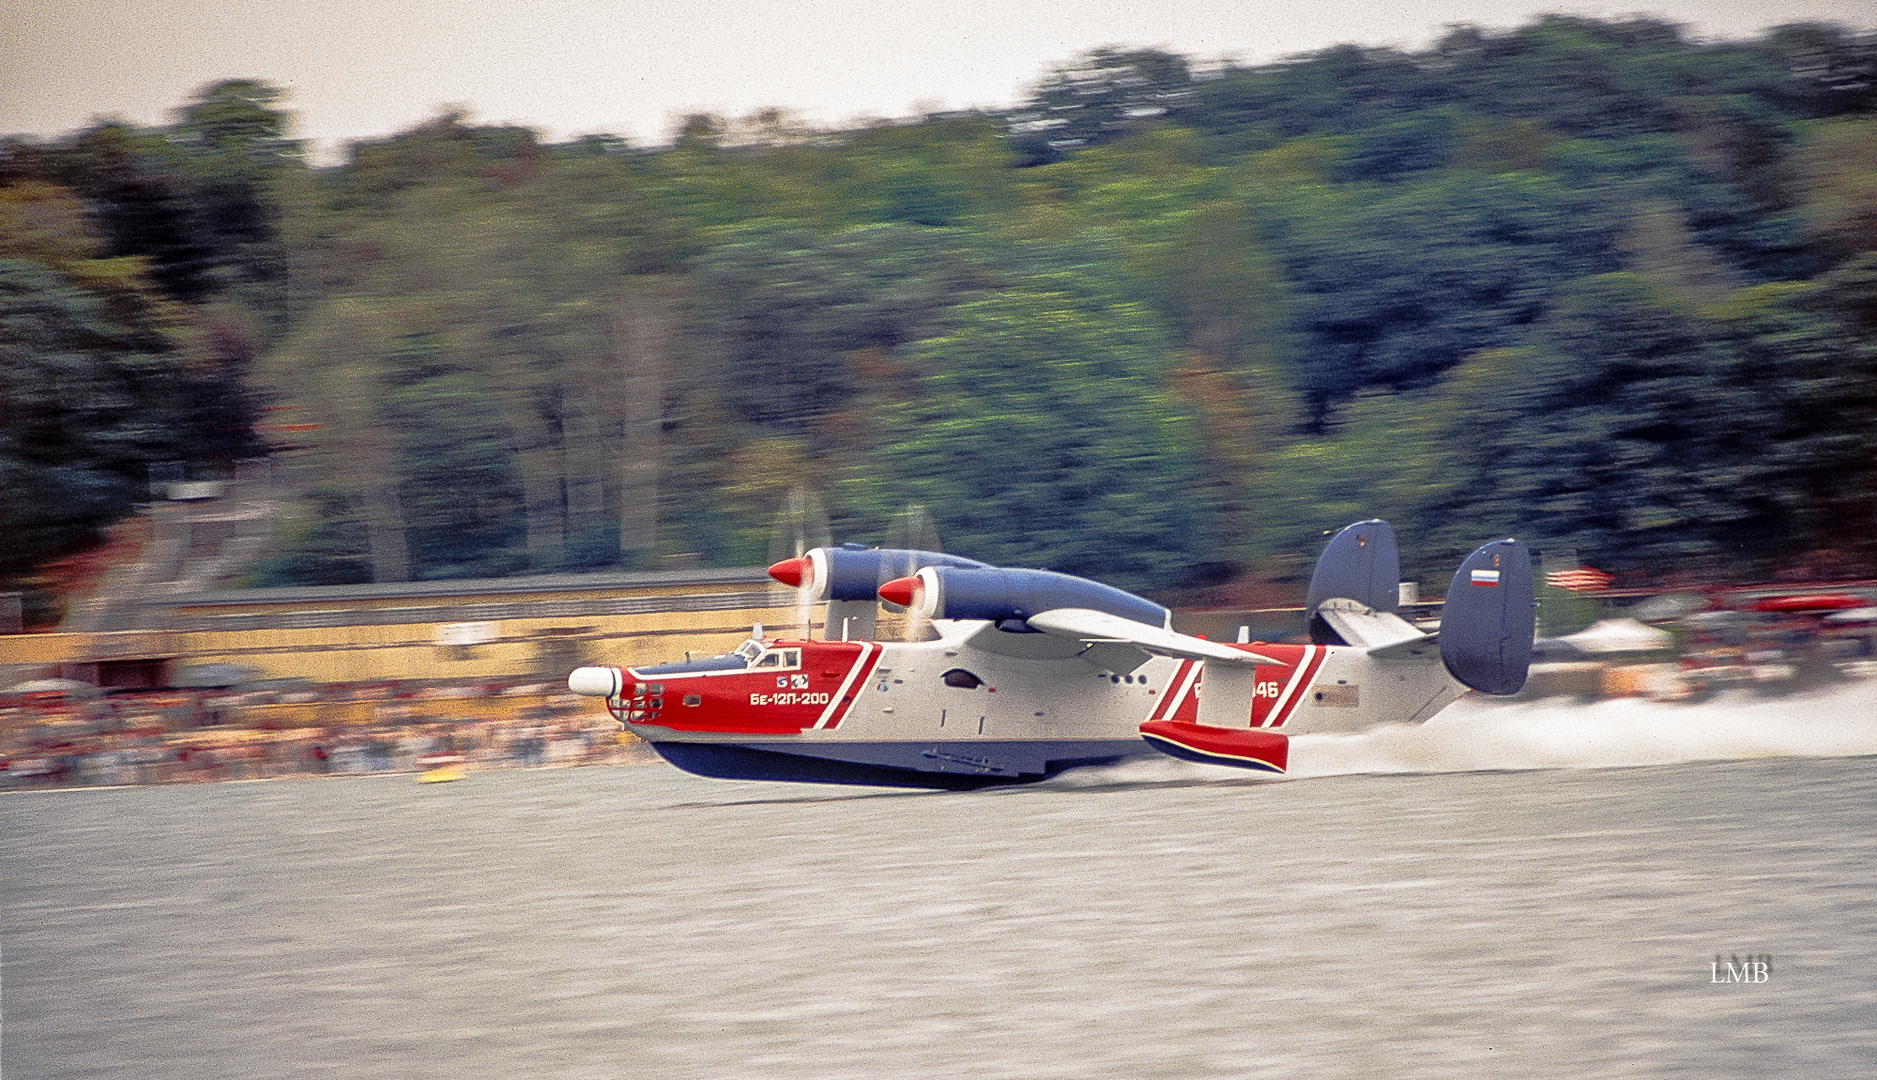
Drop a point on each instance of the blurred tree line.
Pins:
(142, 273)
(1591, 283)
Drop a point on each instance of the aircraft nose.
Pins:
(791, 572)
(603, 682)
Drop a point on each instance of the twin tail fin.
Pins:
(1487, 622)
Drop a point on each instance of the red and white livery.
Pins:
(1026, 673)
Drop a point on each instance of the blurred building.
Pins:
(497, 629)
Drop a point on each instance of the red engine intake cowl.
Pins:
(902, 591)
(790, 572)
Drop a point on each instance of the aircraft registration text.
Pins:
(790, 699)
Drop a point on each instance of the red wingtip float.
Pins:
(790, 572)
(900, 591)
(1254, 749)
(1025, 673)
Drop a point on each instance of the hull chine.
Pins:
(941, 767)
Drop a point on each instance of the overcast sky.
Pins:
(364, 68)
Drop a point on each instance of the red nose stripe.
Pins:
(899, 591)
(790, 571)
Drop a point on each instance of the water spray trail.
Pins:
(1479, 733)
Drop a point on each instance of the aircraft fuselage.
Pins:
(980, 705)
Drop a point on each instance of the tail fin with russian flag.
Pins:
(1366, 664)
(1489, 618)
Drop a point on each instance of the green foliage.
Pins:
(457, 486)
(93, 387)
(1391, 456)
(1399, 283)
(1593, 283)
(197, 200)
(1104, 95)
(1040, 433)
(789, 309)
(1837, 166)
(1397, 148)
(943, 171)
(1620, 435)
(326, 545)
(1808, 359)
(102, 372)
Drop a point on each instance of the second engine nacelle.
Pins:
(1000, 594)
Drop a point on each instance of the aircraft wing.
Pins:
(1097, 628)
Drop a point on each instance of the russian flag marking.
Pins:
(1488, 578)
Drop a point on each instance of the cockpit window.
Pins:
(749, 650)
(779, 658)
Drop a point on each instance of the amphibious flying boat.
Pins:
(1026, 673)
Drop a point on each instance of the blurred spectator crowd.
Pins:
(1686, 647)
(72, 735)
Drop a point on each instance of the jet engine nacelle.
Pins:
(1000, 594)
(844, 573)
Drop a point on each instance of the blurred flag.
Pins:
(1581, 579)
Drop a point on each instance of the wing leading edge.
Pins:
(1099, 628)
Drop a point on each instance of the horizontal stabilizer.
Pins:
(1419, 646)
(1101, 628)
(1366, 628)
(1488, 619)
(1241, 748)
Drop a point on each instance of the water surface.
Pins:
(1487, 895)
